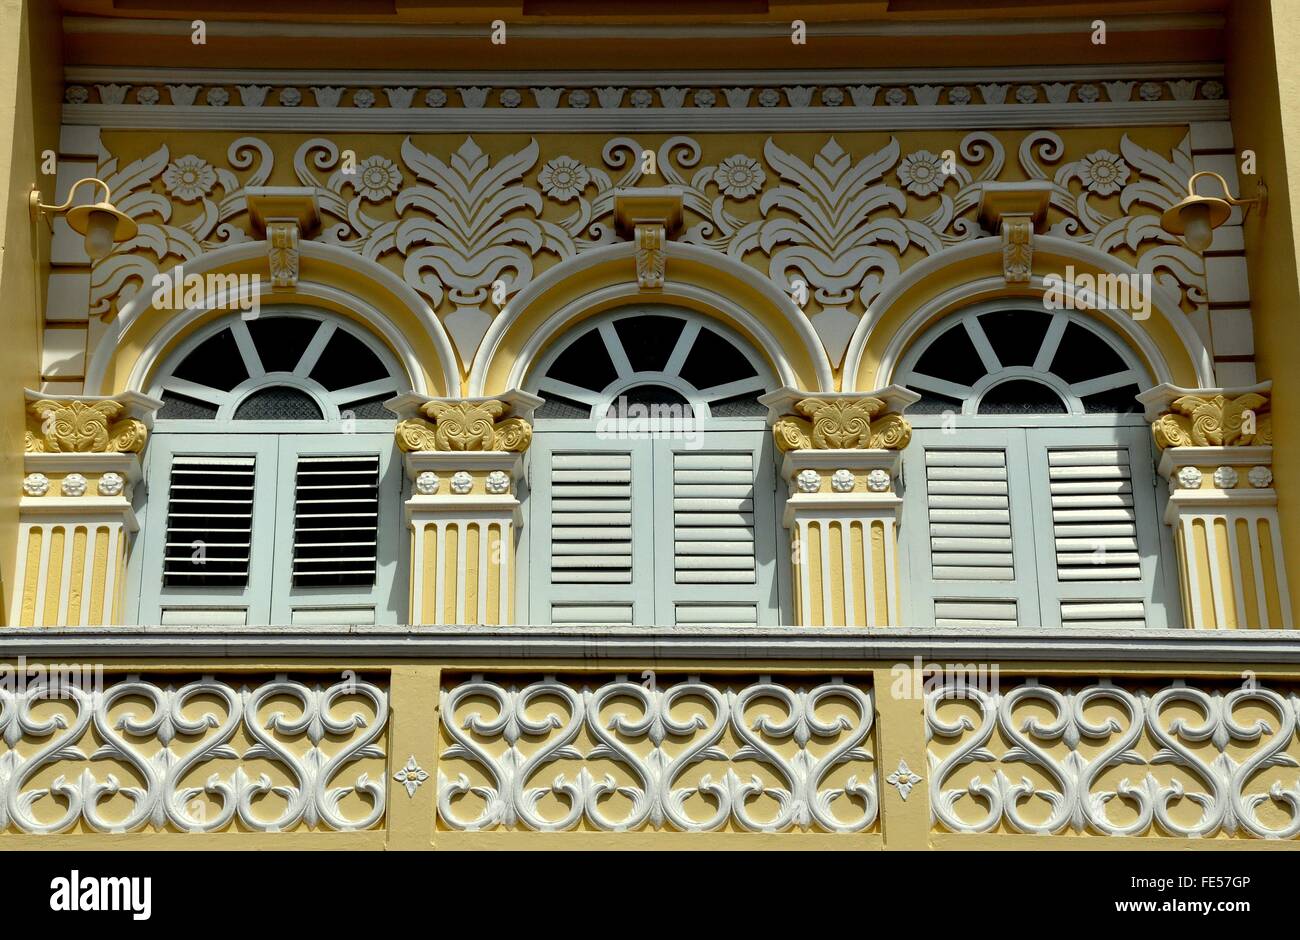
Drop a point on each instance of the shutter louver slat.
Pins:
(970, 519)
(713, 522)
(336, 521)
(591, 528)
(209, 536)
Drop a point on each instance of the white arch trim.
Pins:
(102, 358)
(986, 288)
(628, 290)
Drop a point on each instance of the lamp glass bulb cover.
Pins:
(100, 229)
(1198, 228)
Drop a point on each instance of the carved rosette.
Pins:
(82, 427)
(1215, 420)
(841, 424)
(470, 425)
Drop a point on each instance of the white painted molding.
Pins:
(634, 120)
(590, 644)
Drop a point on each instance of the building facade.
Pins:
(831, 425)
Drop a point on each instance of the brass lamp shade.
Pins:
(124, 227)
(1174, 220)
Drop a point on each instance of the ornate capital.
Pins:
(471, 424)
(651, 260)
(841, 424)
(82, 427)
(1215, 419)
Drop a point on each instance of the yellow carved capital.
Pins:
(84, 427)
(841, 423)
(1214, 421)
(464, 425)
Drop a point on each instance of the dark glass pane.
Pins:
(952, 356)
(585, 363)
(649, 340)
(1116, 401)
(1015, 335)
(1084, 355)
(932, 404)
(180, 407)
(371, 409)
(715, 361)
(347, 361)
(278, 403)
(649, 396)
(281, 341)
(215, 363)
(738, 406)
(1021, 397)
(559, 407)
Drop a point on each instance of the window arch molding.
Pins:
(971, 272)
(313, 348)
(745, 373)
(981, 362)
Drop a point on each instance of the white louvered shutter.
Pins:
(209, 533)
(591, 538)
(714, 531)
(1100, 535)
(967, 534)
(335, 520)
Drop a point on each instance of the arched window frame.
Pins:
(539, 383)
(577, 435)
(1027, 440)
(332, 404)
(276, 450)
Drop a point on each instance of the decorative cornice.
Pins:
(463, 425)
(627, 644)
(1223, 417)
(841, 422)
(87, 425)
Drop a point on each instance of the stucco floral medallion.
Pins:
(808, 481)
(1103, 172)
(36, 484)
(498, 482)
(411, 775)
(739, 176)
(74, 484)
(1189, 478)
(563, 178)
(842, 481)
(461, 482)
(111, 484)
(189, 178)
(878, 481)
(904, 779)
(1260, 477)
(1225, 478)
(921, 173)
(377, 178)
(426, 483)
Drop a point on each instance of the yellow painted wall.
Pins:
(1264, 34)
(31, 74)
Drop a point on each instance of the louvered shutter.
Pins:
(336, 520)
(1099, 534)
(590, 537)
(209, 536)
(966, 531)
(714, 530)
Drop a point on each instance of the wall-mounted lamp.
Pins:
(102, 224)
(1196, 217)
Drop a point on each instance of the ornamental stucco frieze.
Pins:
(1215, 420)
(841, 424)
(1112, 760)
(776, 757)
(194, 756)
(469, 228)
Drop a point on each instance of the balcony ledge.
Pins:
(609, 644)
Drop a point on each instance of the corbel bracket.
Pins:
(1015, 211)
(649, 217)
(283, 214)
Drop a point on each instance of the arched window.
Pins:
(273, 495)
(1029, 488)
(653, 489)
